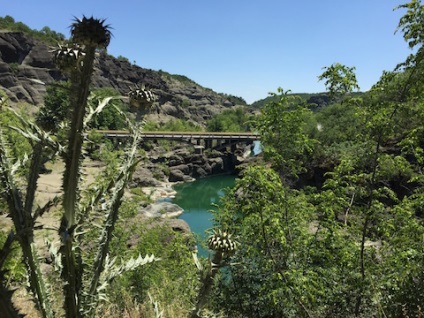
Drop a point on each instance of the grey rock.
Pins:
(32, 63)
(162, 210)
(175, 160)
(143, 177)
(183, 168)
(176, 175)
(179, 225)
(199, 172)
(216, 165)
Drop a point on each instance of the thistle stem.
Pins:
(72, 274)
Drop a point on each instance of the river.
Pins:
(197, 199)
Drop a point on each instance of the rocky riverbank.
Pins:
(162, 168)
(179, 163)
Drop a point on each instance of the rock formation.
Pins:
(26, 67)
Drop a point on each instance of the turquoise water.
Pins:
(197, 199)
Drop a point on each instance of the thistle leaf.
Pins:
(197, 262)
(111, 270)
(102, 103)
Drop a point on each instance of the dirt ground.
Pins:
(49, 185)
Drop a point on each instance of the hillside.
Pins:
(26, 67)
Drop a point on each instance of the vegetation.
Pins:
(173, 125)
(339, 79)
(45, 34)
(234, 100)
(230, 120)
(349, 245)
(180, 78)
(83, 271)
(330, 226)
(122, 58)
(55, 111)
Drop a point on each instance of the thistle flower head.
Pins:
(91, 32)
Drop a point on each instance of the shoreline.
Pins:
(162, 209)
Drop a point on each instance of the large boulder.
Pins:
(179, 225)
(162, 210)
(143, 177)
(176, 175)
(216, 165)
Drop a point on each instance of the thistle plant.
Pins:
(223, 246)
(84, 278)
(21, 209)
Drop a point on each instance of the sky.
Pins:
(246, 48)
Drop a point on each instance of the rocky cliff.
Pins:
(26, 67)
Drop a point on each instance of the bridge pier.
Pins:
(198, 149)
(208, 143)
(233, 147)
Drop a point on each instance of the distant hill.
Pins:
(321, 99)
(315, 100)
(26, 67)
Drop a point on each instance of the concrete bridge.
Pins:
(207, 140)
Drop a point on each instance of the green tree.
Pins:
(282, 125)
(56, 107)
(289, 255)
(230, 120)
(357, 240)
(339, 79)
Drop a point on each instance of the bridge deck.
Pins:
(175, 135)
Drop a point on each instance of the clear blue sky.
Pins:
(246, 48)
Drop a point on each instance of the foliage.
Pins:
(45, 34)
(181, 78)
(109, 118)
(339, 123)
(339, 79)
(282, 266)
(8, 123)
(56, 109)
(234, 100)
(122, 58)
(173, 125)
(230, 120)
(352, 245)
(172, 281)
(412, 23)
(283, 138)
(308, 97)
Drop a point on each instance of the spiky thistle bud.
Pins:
(221, 241)
(91, 32)
(141, 98)
(67, 58)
